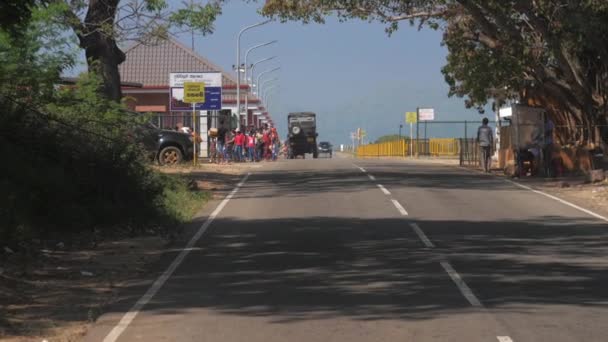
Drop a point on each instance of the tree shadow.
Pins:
(317, 268)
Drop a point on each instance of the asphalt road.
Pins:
(367, 250)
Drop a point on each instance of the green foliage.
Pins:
(390, 137)
(198, 17)
(551, 53)
(72, 158)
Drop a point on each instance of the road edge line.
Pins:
(562, 201)
(539, 192)
(130, 315)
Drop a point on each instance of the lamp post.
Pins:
(247, 79)
(262, 74)
(258, 62)
(400, 127)
(262, 91)
(238, 65)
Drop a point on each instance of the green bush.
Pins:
(71, 161)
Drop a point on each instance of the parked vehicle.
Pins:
(167, 147)
(302, 134)
(325, 148)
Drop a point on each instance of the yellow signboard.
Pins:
(194, 92)
(411, 117)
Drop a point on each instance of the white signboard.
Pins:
(426, 114)
(213, 90)
(505, 112)
(211, 79)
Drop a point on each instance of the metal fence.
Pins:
(439, 147)
(573, 149)
(447, 139)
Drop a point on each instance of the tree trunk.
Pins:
(103, 58)
(96, 35)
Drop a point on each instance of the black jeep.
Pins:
(302, 134)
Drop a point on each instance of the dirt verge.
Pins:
(53, 290)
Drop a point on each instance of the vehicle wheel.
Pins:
(170, 155)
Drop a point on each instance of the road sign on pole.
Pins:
(426, 114)
(411, 117)
(194, 92)
(213, 90)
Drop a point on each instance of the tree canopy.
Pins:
(101, 25)
(551, 53)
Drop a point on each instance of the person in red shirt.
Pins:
(238, 145)
(267, 143)
(251, 145)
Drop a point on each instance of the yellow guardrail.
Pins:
(439, 147)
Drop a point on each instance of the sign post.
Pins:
(426, 114)
(212, 100)
(194, 92)
(411, 118)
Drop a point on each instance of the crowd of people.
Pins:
(251, 145)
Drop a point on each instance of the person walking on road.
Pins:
(485, 139)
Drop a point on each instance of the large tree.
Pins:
(101, 25)
(552, 53)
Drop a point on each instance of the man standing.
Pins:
(238, 146)
(548, 147)
(221, 140)
(485, 139)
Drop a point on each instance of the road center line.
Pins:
(360, 168)
(422, 236)
(399, 207)
(462, 286)
(372, 178)
(384, 190)
(504, 339)
(160, 281)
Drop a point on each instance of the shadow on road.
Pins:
(315, 268)
(270, 184)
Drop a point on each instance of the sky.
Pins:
(350, 74)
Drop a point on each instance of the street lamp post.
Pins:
(258, 62)
(263, 91)
(262, 74)
(238, 65)
(400, 127)
(246, 78)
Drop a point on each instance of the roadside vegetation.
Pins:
(551, 54)
(72, 162)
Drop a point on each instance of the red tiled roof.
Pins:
(150, 65)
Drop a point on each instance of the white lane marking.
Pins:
(399, 207)
(555, 198)
(132, 313)
(422, 236)
(384, 190)
(504, 339)
(372, 178)
(360, 168)
(462, 286)
(572, 205)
